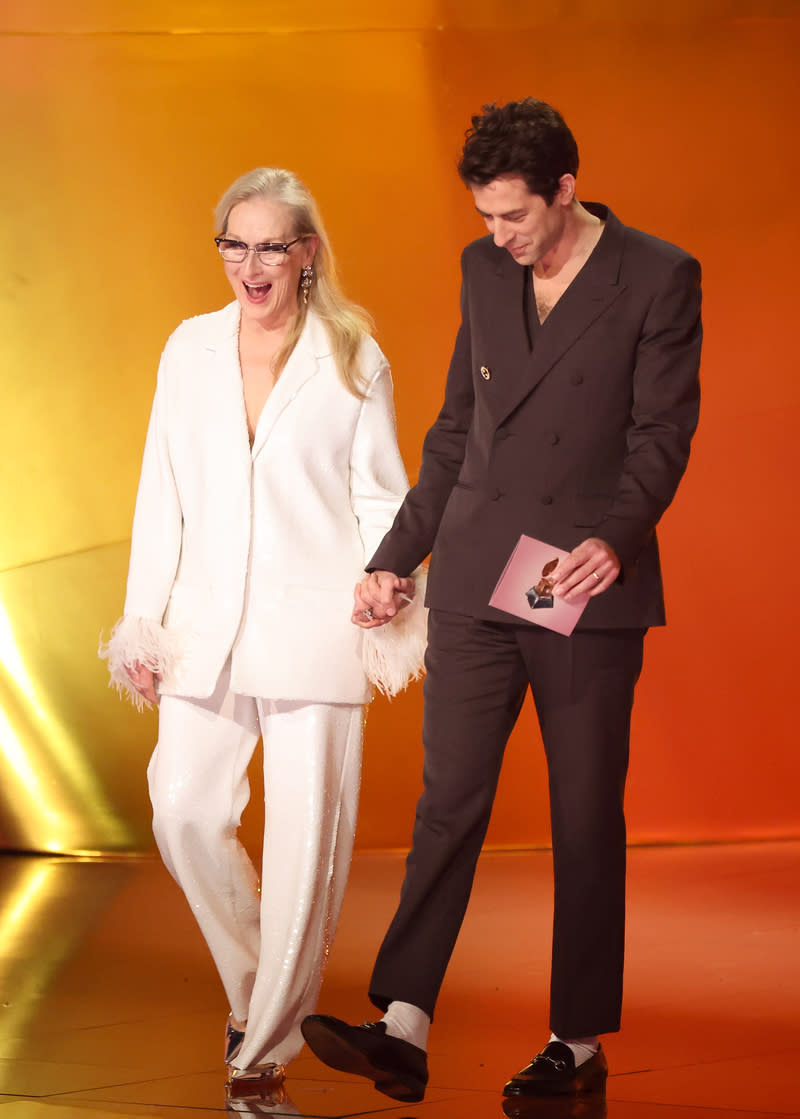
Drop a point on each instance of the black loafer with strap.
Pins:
(553, 1073)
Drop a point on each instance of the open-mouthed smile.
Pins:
(257, 293)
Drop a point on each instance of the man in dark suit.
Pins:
(571, 400)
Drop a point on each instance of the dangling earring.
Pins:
(306, 279)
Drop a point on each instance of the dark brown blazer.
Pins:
(582, 430)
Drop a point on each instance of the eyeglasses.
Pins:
(270, 252)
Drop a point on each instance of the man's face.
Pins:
(519, 221)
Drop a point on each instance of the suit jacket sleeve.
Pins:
(411, 537)
(378, 479)
(664, 413)
(157, 521)
(392, 655)
(139, 636)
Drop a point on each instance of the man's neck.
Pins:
(582, 231)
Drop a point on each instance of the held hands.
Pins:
(379, 597)
(144, 681)
(590, 568)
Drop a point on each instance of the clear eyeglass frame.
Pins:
(272, 253)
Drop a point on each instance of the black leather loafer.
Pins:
(553, 1073)
(396, 1067)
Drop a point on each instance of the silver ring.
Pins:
(597, 577)
(368, 613)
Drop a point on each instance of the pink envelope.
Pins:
(525, 590)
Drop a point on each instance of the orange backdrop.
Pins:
(123, 123)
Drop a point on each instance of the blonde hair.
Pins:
(346, 322)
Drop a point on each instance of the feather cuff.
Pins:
(138, 641)
(393, 655)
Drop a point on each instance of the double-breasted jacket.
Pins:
(577, 428)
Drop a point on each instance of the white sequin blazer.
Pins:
(253, 553)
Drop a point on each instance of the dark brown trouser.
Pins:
(477, 676)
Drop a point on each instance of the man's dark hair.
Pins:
(526, 138)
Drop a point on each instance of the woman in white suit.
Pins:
(271, 472)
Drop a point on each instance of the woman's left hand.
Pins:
(143, 680)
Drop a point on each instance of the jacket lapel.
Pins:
(302, 365)
(229, 411)
(588, 297)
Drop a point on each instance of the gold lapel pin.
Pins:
(486, 373)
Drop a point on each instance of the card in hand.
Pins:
(526, 587)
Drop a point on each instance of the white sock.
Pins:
(408, 1022)
(582, 1047)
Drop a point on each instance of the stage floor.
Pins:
(110, 1007)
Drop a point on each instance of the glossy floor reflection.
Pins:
(109, 1005)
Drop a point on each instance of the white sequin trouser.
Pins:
(269, 956)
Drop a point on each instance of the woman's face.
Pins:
(267, 294)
